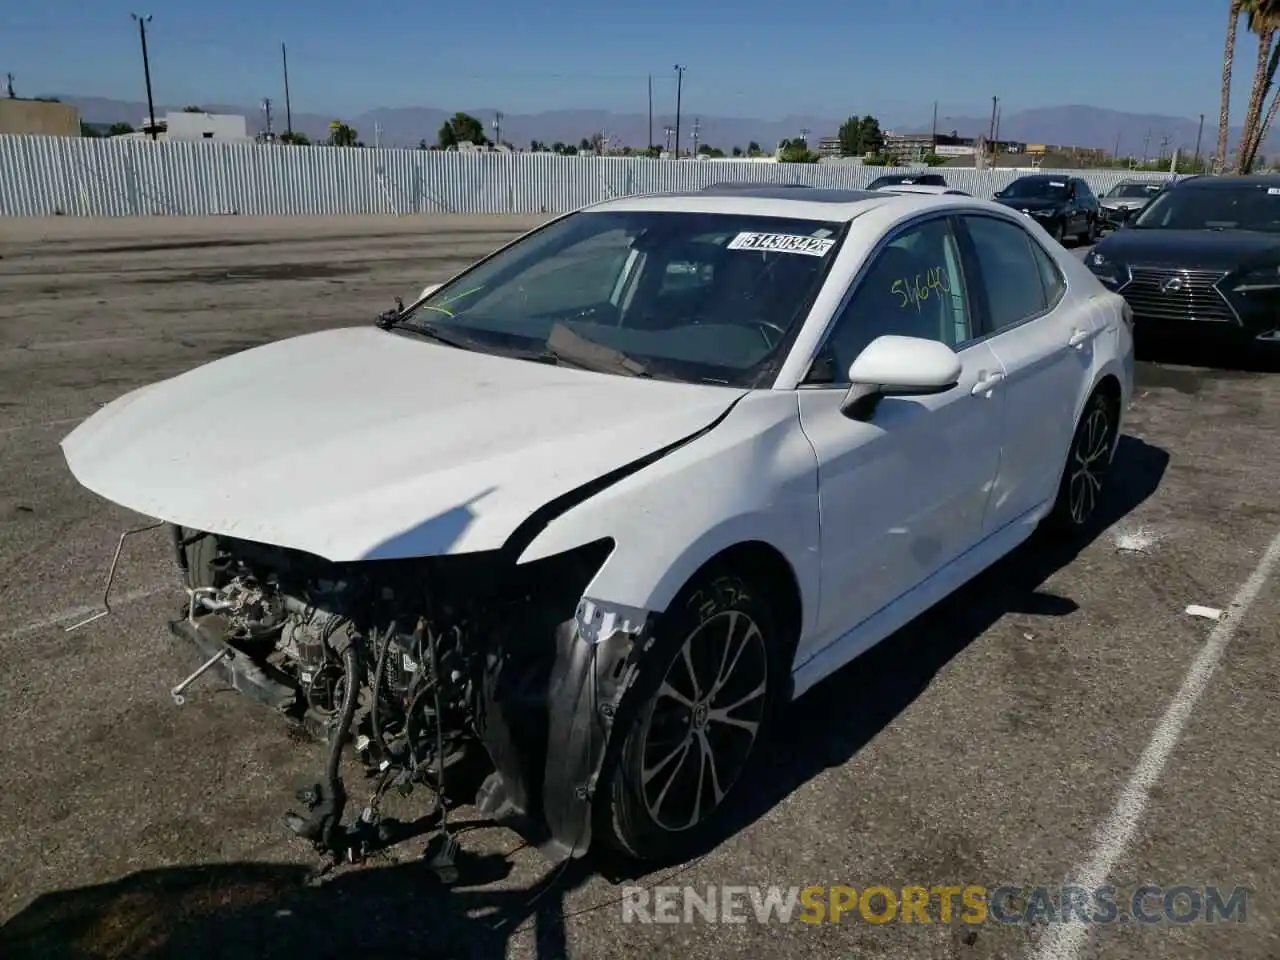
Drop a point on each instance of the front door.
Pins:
(904, 493)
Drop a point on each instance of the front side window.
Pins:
(1009, 273)
(914, 287)
(698, 297)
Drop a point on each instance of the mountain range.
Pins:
(1137, 134)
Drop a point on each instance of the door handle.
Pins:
(986, 383)
(1080, 337)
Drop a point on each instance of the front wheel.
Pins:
(690, 729)
(1088, 465)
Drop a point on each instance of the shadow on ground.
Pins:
(242, 911)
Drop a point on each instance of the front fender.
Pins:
(752, 478)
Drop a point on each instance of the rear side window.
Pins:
(1055, 284)
(1009, 273)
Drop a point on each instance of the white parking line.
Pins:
(1065, 941)
(67, 617)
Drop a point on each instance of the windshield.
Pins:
(1250, 206)
(697, 297)
(1133, 191)
(893, 180)
(1037, 188)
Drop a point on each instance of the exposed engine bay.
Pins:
(414, 663)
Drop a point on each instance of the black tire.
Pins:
(706, 630)
(1091, 232)
(1084, 476)
(1059, 231)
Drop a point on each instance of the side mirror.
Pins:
(429, 289)
(894, 366)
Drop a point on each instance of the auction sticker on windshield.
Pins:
(781, 243)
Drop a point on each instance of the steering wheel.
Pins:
(763, 325)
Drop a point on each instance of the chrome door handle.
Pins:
(1080, 337)
(986, 383)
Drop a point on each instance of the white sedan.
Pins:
(606, 500)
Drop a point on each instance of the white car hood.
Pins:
(357, 444)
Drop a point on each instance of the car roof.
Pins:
(1226, 182)
(774, 201)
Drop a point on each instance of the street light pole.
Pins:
(679, 92)
(146, 68)
(288, 107)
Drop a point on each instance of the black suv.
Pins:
(1065, 206)
(903, 179)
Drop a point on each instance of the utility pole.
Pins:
(377, 135)
(999, 115)
(1146, 143)
(288, 107)
(1115, 154)
(9, 79)
(679, 92)
(1164, 146)
(934, 148)
(697, 125)
(497, 129)
(991, 136)
(649, 143)
(668, 131)
(1199, 134)
(266, 109)
(146, 68)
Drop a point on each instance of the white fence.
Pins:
(71, 176)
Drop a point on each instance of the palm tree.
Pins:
(1228, 62)
(1264, 22)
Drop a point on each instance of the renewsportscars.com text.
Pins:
(970, 904)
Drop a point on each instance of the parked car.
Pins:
(1065, 206)
(908, 179)
(1202, 258)
(1125, 201)
(605, 500)
(927, 188)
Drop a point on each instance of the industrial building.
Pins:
(47, 118)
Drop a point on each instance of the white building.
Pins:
(222, 127)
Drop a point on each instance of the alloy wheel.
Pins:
(704, 720)
(1089, 464)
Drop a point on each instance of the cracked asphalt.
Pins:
(990, 743)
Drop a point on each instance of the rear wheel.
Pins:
(689, 731)
(1088, 465)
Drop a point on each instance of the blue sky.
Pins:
(755, 58)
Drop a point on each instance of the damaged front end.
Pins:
(413, 662)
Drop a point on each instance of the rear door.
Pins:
(1046, 352)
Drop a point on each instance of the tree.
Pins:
(537, 146)
(462, 128)
(88, 131)
(1228, 64)
(119, 129)
(737, 151)
(796, 151)
(342, 135)
(753, 149)
(296, 139)
(193, 110)
(858, 137)
(1263, 19)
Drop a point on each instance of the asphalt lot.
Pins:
(1017, 734)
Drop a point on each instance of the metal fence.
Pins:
(72, 176)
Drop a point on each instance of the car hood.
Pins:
(359, 444)
(1191, 249)
(1030, 204)
(1125, 203)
